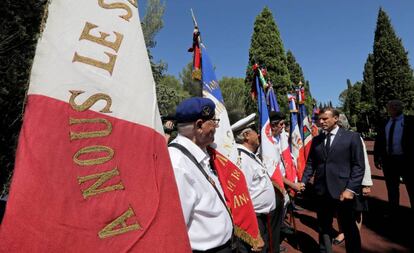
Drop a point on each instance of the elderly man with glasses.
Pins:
(209, 223)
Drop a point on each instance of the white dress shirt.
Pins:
(258, 182)
(333, 133)
(208, 222)
(367, 180)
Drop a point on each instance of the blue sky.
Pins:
(330, 39)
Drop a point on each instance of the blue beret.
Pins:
(192, 109)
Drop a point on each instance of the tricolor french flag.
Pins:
(92, 170)
(270, 157)
(296, 138)
(290, 169)
(306, 131)
(224, 156)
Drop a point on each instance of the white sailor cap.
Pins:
(243, 123)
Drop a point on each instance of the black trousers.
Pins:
(269, 226)
(225, 248)
(396, 166)
(263, 222)
(276, 220)
(327, 207)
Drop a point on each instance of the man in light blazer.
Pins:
(336, 161)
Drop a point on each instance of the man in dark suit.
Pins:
(394, 153)
(336, 161)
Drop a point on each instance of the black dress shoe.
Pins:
(282, 249)
(337, 242)
(297, 208)
(287, 230)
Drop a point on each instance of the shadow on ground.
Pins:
(397, 228)
(303, 242)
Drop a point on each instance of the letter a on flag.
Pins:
(92, 170)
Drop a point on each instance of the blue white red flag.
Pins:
(296, 138)
(315, 113)
(270, 156)
(272, 100)
(224, 156)
(305, 126)
(289, 166)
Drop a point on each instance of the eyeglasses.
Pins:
(275, 124)
(216, 121)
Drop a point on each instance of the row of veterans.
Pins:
(208, 220)
(337, 163)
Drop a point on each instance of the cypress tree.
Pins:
(297, 76)
(266, 49)
(367, 88)
(295, 70)
(151, 24)
(367, 111)
(393, 76)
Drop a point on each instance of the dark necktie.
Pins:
(328, 142)
(391, 137)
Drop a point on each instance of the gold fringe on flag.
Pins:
(246, 237)
(196, 74)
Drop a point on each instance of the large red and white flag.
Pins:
(92, 169)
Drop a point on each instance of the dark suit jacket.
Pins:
(407, 142)
(343, 168)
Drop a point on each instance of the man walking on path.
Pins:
(336, 161)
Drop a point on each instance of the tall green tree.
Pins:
(266, 49)
(169, 90)
(169, 94)
(366, 116)
(393, 76)
(350, 99)
(234, 98)
(151, 24)
(192, 86)
(297, 77)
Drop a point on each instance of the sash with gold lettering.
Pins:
(92, 169)
(224, 157)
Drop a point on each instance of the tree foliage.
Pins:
(151, 24)
(192, 86)
(20, 27)
(266, 49)
(297, 77)
(350, 99)
(367, 115)
(234, 97)
(170, 94)
(393, 76)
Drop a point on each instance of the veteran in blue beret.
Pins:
(208, 221)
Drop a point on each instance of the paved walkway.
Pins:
(377, 233)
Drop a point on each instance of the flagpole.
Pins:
(195, 24)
